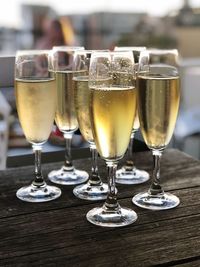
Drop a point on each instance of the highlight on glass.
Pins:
(158, 92)
(129, 173)
(94, 189)
(61, 64)
(112, 107)
(35, 93)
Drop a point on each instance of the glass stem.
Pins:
(111, 201)
(155, 187)
(129, 162)
(94, 177)
(68, 166)
(38, 181)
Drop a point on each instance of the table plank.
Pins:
(57, 234)
(174, 174)
(159, 239)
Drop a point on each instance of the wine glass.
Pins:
(129, 173)
(94, 189)
(112, 112)
(158, 102)
(62, 58)
(35, 99)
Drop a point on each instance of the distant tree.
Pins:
(149, 33)
(148, 40)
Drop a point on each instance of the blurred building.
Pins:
(179, 29)
(187, 29)
(103, 29)
(150, 32)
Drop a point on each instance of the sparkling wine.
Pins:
(65, 113)
(112, 116)
(158, 100)
(36, 106)
(82, 96)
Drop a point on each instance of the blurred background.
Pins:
(100, 25)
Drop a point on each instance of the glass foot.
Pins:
(44, 193)
(161, 202)
(91, 192)
(68, 177)
(134, 176)
(118, 218)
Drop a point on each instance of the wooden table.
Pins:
(57, 233)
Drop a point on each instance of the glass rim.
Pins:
(92, 51)
(160, 51)
(32, 52)
(111, 52)
(65, 48)
(131, 48)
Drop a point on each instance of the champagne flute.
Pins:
(94, 189)
(62, 65)
(112, 112)
(129, 173)
(36, 105)
(158, 102)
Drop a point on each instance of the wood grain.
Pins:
(57, 233)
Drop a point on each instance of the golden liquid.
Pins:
(158, 102)
(112, 116)
(36, 106)
(82, 97)
(65, 112)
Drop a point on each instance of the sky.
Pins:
(10, 13)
